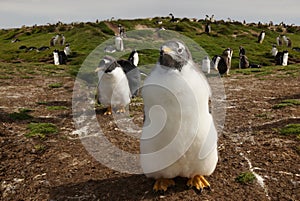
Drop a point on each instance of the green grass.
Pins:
(41, 130)
(291, 129)
(245, 178)
(21, 115)
(55, 85)
(85, 37)
(286, 103)
(51, 108)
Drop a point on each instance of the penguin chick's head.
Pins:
(174, 54)
(107, 64)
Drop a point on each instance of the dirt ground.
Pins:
(64, 170)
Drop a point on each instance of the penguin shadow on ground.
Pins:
(132, 187)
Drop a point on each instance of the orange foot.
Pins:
(199, 182)
(121, 110)
(163, 184)
(108, 111)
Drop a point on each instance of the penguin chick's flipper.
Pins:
(199, 182)
(121, 110)
(108, 111)
(163, 184)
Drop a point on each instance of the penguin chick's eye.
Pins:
(180, 50)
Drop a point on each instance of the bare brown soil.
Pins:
(63, 170)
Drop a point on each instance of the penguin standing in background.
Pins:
(243, 62)
(242, 51)
(274, 51)
(278, 41)
(179, 137)
(206, 65)
(172, 18)
(132, 72)
(207, 28)
(134, 57)
(56, 57)
(285, 58)
(282, 58)
(62, 40)
(261, 37)
(119, 43)
(67, 49)
(113, 89)
(227, 55)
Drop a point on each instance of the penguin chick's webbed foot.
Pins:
(163, 184)
(121, 110)
(108, 111)
(199, 182)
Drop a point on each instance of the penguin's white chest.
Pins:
(179, 137)
(113, 88)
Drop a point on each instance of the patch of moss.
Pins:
(291, 129)
(21, 115)
(41, 130)
(286, 103)
(245, 177)
(57, 108)
(55, 85)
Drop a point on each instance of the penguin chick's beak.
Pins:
(165, 50)
(99, 69)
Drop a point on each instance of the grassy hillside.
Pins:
(85, 37)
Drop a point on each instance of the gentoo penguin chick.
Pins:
(179, 137)
(113, 88)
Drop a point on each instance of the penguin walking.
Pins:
(113, 88)
(179, 137)
(261, 37)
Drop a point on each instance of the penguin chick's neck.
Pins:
(171, 60)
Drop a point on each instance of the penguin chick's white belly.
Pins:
(179, 137)
(114, 89)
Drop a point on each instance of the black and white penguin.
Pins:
(113, 88)
(67, 49)
(244, 63)
(206, 65)
(179, 137)
(207, 28)
(56, 57)
(43, 48)
(242, 51)
(62, 57)
(285, 58)
(62, 40)
(261, 37)
(132, 72)
(278, 41)
(289, 43)
(134, 57)
(282, 58)
(172, 18)
(119, 43)
(223, 63)
(274, 51)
